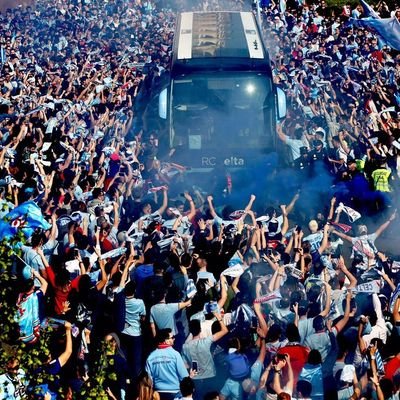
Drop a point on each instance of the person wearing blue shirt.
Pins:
(135, 313)
(165, 366)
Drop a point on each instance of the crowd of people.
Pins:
(159, 294)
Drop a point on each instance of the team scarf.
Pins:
(163, 346)
(269, 297)
(233, 271)
(343, 227)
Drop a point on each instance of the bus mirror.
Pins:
(281, 97)
(162, 104)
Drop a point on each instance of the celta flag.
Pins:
(5, 230)
(26, 218)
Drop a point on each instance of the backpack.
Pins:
(238, 365)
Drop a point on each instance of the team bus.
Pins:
(219, 105)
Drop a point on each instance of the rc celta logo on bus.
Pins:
(229, 161)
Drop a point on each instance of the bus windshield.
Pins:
(233, 110)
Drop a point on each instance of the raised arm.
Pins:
(292, 203)
(250, 203)
(224, 293)
(103, 281)
(343, 235)
(211, 206)
(164, 203)
(64, 357)
(285, 224)
(384, 226)
(327, 308)
(342, 323)
(349, 275)
(332, 209)
(324, 243)
(374, 370)
(43, 282)
(224, 330)
(116, 215)
(192, 211)
(280, 133)
(261, 320)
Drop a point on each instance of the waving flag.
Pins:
(26, 218)
(351, 213)
(368, 11)
(388, 29)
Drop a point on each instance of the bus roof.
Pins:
(222, 39)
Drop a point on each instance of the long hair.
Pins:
(118, 349)
(145, 387)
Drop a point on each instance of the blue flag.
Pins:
(26, 218)
(387, 28)
(368, 11)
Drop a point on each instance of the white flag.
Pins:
(351, 213)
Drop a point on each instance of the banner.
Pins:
(113, 253)
(368, 287)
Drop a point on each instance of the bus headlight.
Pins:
(250, 88)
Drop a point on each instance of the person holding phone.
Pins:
(197, 355)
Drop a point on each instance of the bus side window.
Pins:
(162, 104)
(281, 97)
